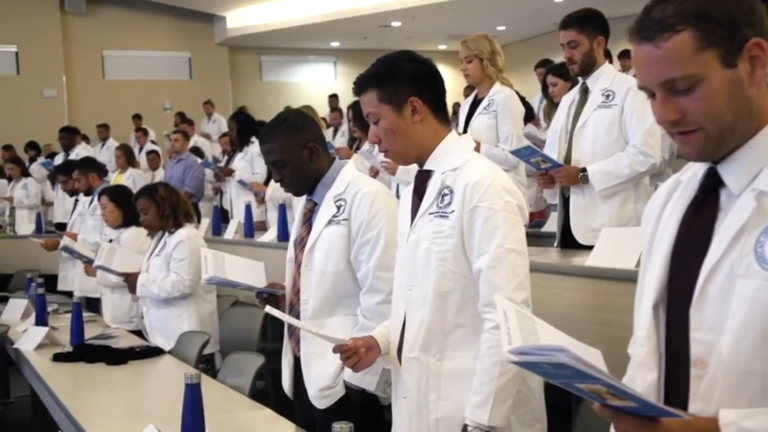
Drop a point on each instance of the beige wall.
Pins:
(266, 99)
(521, 56)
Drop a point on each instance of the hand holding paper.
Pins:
(535, 158)
(305, 327)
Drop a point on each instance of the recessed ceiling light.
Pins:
(335, 44)
(500, 28)
(442, 47)
(558, 1)
(395, 23)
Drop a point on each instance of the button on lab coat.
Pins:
(27, 199)
(498, 126)
(346, 282)
(172, 297)
(618, 141)
(466, 246)
(729, 312)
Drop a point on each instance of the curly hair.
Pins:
(173, 209)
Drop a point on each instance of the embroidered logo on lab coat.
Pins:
(444, 203)
(341, 208)
(760, 252)
(608, 97)
(489, 105)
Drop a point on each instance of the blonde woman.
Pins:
(493, 114)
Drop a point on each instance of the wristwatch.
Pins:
(468, 428)
(583, 176)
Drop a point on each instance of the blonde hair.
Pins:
(487, 49)
(312, 113)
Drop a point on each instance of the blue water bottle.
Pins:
(248, 229)
(216, 221)
(41, 305)
(29, 287)
(76, 326)
(283, 233)
(39, 224)
(193, 413)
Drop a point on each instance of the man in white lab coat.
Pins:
(195, 140)
(461, 243)
(339, 271)
(71, 150)
(104, 148)
(604, 134)
(138, 123)
(143, 145)
(212, 126)
(700, 331)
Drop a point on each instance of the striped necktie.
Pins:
(294, 303)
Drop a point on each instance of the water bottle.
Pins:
(29, 287)
(77, 327)
(342, 426)
(283, 232)
(39, 224)
(216, 221)
(10, 228)
(248, 228)
(41, 305)
(192, 412)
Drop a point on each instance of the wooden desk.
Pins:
(128, 398)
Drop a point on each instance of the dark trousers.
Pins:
(567, 240)
(92, 305)
(562, 408)
(364, 411)
(196, 209)
(60, 226)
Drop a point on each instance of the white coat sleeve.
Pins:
(509, 125)
(373, 245)
(744, 420)
(258, 166)
(28, 195)
(552, 145)
(381, 334)
(642, 155)
(494, 238)
(140, 179)
(183, 276)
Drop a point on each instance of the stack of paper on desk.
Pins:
(537, 347)
(116, 260)
(76, 250)
(230, 271)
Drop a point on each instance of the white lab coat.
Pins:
(346, 282)
(172, 298)
(273, 198)
(91, 232)
(133, 178)
(729, 312)
(466, 246)
(27, 200)
(119, 308)
(40, 174)
(141, 155)
(248, 165)
(206, 204)
(105, 153)
(498, 126)
(342, 136)
(618, 141)
(67, 264)
(155, 176)
(215, 126)
(62, 204)
(132, 138)
(203, 144)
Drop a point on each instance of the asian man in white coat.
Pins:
(461, 242)
(63, 202)
(604, 134)
(104, 148)
(701, 308)
(339, 272)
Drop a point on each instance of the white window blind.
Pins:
(9, 60)
(292, 68)
(147, 65)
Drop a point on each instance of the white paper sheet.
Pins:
(269, 236)
(306, 327)
(17, 309)
(34, 336)
(617, 248)
(117, 260)
(233, 229)
(232, 271)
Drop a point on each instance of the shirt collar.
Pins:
(180, 156)
(597, 75)
(327, 182)
(740, 168)
(441, 152)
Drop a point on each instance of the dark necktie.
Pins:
(580, 104)
(419, 190)
(690, 248)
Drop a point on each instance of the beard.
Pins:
(586, 65)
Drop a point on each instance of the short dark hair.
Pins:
(122, 198)
(587, 21)
(294, 126)
(187, 121)
(142, 130)
(246, 128)
(103, 126)
(35, 147)
(398, 76)
(137, 116)
(183, 134)
(154, 152)
(8, 148)
(90, 165)
(173, 209)
(333, 95)
(65, 168)
(224, 135)
(85, 137)
(197, 152)
(625, 54)
(128, 154)
(70, 131)
(717, 25)
(608, 55)
(337, 110)
(209, 102)
(242, 108)
(543, 63)
(19, 163)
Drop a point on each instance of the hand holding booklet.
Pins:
(541, 349)
(535, 158)
(230, 271)
(76, 250)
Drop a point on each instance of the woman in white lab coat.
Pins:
(172, 298)
(493, 114)
(24, 196)
(119, 308)
(128, 172)
(34, 163)
(555, 84)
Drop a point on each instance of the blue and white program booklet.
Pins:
(208, 165)
(541, 349)
(535, 158)
(247, 185)
(231, 271)
(47, 164)
(76, 250)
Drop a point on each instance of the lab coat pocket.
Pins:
(331, 250)
(452, 381)
(441, 243)
(745, 340)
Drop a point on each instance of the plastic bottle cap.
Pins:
(192, 378)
